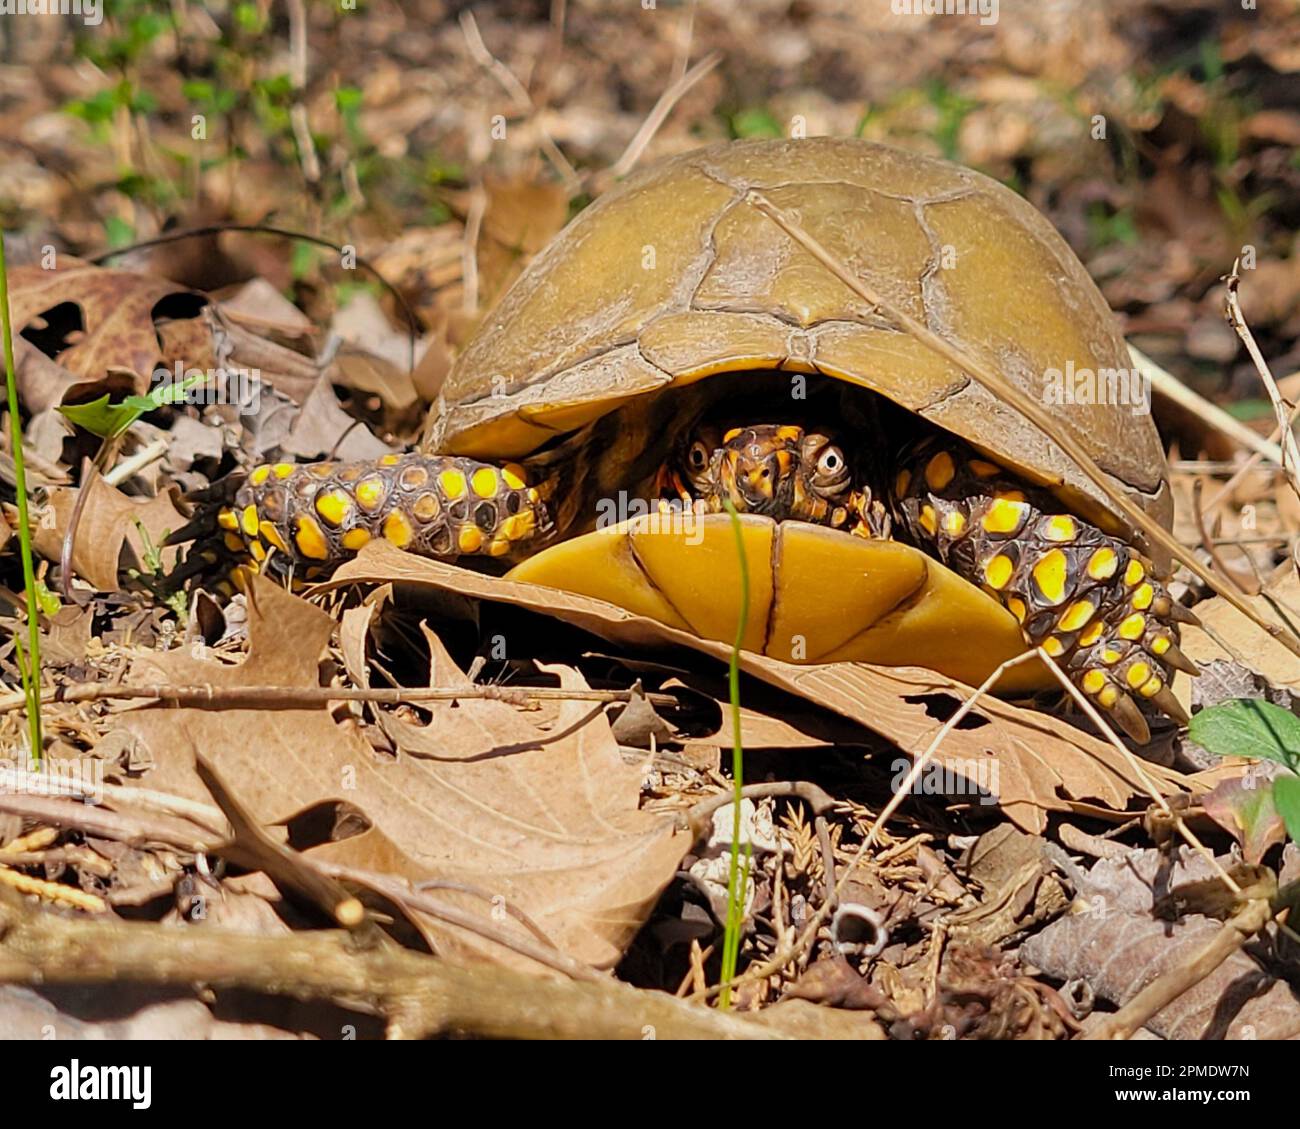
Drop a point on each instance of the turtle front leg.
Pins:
(313, 516)
(1090, 600)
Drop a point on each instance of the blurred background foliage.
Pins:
(1159, 135)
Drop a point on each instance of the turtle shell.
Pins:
(673, 276)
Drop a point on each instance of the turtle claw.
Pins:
(207, 503)
(198, 560)
(1164, 700)
(1180, 614)
(202, 525)
(1175, 658)
(1128, 717)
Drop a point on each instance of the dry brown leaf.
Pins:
(118, 310)
(375, 357)
(522, 215)
(1253, 646)
(322, 429)
(258, 306)
(67, 635)
(1043, 764)
(1118, 947)
(546, 823)
(107, 524)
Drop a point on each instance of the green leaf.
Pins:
(98, 109)
(198, 90)
(303, 259)
(101, 418)
(347, 98)
(1286, 798)
(276, 88)
(1249, 727)
(165, 392)
(248, 18)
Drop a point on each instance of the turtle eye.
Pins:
(831, 462)
(698, 456)
(831, 474)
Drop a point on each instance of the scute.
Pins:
(673, 275)
(815, 595)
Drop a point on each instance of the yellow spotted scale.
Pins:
(1088, 599)
(314, 515)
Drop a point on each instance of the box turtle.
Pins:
(673, 347)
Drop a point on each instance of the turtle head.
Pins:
(780, 470)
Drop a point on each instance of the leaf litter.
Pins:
(566, 829)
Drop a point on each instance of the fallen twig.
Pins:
(417, 995)
(298, 697)
(1236, 319)
(1174, 389)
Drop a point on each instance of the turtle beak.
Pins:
(755, 478)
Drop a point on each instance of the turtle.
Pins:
(673, 351)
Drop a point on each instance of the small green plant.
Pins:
(208, 99)
(109, 420)
(951, 109)
(129, 35)
(737, 879)
(1107, 226)
(46, 600)
(152, 574)
(1249, 727)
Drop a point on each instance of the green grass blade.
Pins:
(737, 880)
(32, 668)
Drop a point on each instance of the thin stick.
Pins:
(657, 116)
(418, 995)
(1174, 389)
(137, 462)
(791, 951)
(1209, 545)
(1236, 319)
(298, 80)
(469, 250)
(904, 788)
(523, 102)
(298, 697)
(1103, 726)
